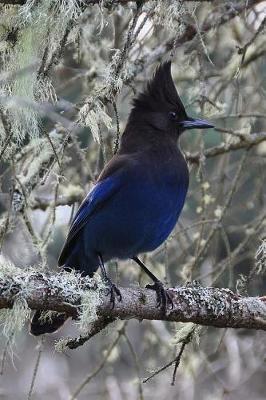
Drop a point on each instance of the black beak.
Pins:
(192, 123)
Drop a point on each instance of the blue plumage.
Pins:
(130, 212)
(139, 195)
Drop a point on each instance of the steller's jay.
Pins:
(138, 196)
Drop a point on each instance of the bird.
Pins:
(138, 196)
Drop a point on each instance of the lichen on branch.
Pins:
(74, 295)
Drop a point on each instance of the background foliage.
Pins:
(69, 70)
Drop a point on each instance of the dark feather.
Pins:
(139, 195)
(160, 93)
(107, 185)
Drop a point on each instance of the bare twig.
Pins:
(36, 367)
(136, 362)
(101, 365)
(247, 142)
(96, 327)
(242, 50)
(175, 361)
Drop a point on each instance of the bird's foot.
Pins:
(163, 297)
(113, 291)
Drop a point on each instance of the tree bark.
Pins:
(191, 303)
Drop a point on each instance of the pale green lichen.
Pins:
(93, 114)
(170, 11)
(186, 332)
(40, 151)
(114, 81)
(23, 59)
(6, 226)
(7, 268)
(13, 320)
(61, 345)
(25, 119)
(241, 285)
(72, 191)
(260, 258)
(24, 56)
(90, 300)
(69, 285)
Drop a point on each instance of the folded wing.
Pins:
(107, 185)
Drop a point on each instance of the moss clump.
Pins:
(13, 320)
(90, 300)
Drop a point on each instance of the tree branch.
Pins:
(93, 2)
(191, 303)
(243, 143)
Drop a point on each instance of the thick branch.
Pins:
(191, 303)
(92, 2)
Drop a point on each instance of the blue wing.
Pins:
(95, 200)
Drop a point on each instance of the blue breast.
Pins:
(165, 204)
(132, 211)
(139, 217)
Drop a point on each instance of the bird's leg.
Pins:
(162, 296)
(113, 289)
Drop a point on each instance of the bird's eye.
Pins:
(172, 115)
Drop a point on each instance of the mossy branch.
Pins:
(191, 303)
(92, 2)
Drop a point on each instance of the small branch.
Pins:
(175, 361)
(191, 30)
(243, 50)
(243, 143)
(101, 365)
(96, 327)
(192, 302)
(136, 362)
(184, 342)
(43, 202)
(36, 367)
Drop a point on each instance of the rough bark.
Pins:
(191, 303)
(93, 2)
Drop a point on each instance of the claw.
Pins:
(113, 291)
(163, 297)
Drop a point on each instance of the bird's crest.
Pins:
(160, 93)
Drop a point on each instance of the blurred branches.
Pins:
(245, 142)
(69, 71)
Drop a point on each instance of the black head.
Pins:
(161, 107)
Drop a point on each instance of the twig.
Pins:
(247, 142)
(4, 354)
(136, 362)
(176, 360)
(8, 131)
(36, 367)
(227, 202)
(242, 50)
(117, 138)
(96, 327)
(101, 365)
